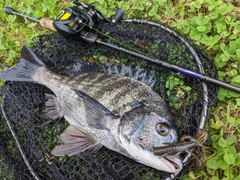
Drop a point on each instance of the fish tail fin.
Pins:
(25, 69)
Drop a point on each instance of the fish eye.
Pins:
(162, 129)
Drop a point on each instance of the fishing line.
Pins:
(112, 38)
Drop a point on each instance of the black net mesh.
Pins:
(26, 144)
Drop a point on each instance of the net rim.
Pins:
(204, 85)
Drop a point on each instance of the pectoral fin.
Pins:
(52, 108)
(76, 141)
(97, 114)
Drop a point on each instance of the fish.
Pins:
(105, 106)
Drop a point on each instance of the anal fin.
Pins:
(77, 142)
(52, 108)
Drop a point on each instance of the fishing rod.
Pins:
(77, 21)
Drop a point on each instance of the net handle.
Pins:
(18, 144)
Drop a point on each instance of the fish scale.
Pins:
(103, 87)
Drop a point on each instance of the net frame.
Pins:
(194, 52)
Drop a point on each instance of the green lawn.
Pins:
(214, 25)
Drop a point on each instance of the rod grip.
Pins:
(47, 23)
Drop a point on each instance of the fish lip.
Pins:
(175, 161)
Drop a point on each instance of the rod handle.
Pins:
(9, 10)
(47, 23)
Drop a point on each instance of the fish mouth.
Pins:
(174, 163)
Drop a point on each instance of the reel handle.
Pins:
(118, 15)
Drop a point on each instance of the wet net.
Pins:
(27, 137)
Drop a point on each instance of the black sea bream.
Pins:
(104, 109)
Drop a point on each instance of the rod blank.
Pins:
(174, 67)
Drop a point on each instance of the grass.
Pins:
(214, 25)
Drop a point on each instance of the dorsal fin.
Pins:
(138, 73)
(28, 54)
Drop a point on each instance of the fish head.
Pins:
(144, 128)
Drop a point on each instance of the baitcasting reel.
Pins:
(76, 19)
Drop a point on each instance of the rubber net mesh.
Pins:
(22, 103)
